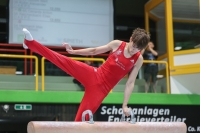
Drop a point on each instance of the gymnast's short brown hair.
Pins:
(140, 38)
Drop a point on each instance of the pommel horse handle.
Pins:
(89, 112)
(132, 121)
(106, 127)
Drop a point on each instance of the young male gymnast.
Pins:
(124, 57)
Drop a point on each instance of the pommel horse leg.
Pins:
(106, 127)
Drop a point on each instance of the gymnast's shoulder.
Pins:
(115, 44)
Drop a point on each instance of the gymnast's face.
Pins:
(132, 48)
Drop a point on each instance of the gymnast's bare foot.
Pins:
(28, 37)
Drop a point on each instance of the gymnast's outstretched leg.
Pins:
(75, 68)
(94, 94)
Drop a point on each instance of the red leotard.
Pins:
(97, 81)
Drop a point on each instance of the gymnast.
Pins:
(125, 58)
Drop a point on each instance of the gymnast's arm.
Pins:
(130, 84)
(94, 51)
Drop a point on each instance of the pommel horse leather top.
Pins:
(106, 127)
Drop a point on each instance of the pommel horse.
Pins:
(106, 127)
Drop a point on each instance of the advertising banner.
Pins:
(188, 114)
